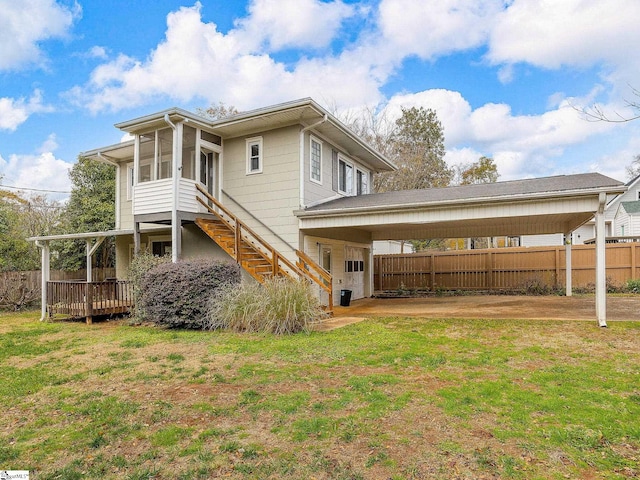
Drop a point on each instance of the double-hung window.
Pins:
(254, 155)
(345, 177)
(362, 182)
(315, 161)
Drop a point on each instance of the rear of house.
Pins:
(261, 165)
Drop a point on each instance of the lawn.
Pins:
(388, 398)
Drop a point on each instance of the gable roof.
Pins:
(631, 207)
(570, 185)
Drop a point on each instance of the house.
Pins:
(627, 219)
(285, 190)
(586, 233)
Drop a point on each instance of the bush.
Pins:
(17, 292)
(279, 306)
(176, 295)
(633, 285)
(140, 265)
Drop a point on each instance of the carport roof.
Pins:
(536, 206)
(535, 188)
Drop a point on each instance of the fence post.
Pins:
(489, 270)
(88, 311)
(432, 259)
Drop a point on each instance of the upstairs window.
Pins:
(254, 155)
(156, 155)
(315, 157)
(362, 182)
(345, 177)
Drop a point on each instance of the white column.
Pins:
(601, 274)
(89, 271)
(46, 275)
(568, 266)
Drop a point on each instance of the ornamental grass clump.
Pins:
(279, 306)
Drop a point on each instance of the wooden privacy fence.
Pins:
(86, 300)
(504, 268)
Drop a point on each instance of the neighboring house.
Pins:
(386, 247)
(586, 232)
(627, 219)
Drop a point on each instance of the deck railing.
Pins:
(77, 299)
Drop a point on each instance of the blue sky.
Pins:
(506, 77)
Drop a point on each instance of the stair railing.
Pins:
(305, 268)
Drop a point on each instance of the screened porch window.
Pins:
(156, 154)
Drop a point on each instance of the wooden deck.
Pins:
(76, 299)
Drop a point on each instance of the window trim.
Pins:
(130, 180)
(349, 190)
(313, 140)
(249, 143)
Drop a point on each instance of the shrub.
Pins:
(279, 306)
(633, 285)
(176, 295)
(17, 292)
(140, 265)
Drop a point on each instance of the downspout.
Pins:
(302, 179)
(175, 229)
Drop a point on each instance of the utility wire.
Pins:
(33, 189)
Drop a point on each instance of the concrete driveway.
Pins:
(577, 307)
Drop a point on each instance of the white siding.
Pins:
(152, 197)
(622, 222)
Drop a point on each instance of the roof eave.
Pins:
(458, 202)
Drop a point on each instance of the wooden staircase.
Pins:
(254, 254)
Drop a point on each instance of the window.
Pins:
(156, 155)
(188, 152)
(325, 257)
(362, 182)
(315, 157)
(129, 181)
(254, 155)
(345, 177)
(160, 246)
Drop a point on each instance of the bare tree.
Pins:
(597, 113)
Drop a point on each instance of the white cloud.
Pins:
(522, 145)
(25, 24)
(195, 60)
(552, 34)
(293, 23)
(14, 112)
(42, 171)
(432, 28)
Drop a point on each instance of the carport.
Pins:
(558, 204)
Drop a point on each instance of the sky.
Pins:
(508, 79)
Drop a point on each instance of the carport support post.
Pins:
(601, 280)
(568, 266)
(46, 275)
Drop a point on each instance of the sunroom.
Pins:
(171, 154)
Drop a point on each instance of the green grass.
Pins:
(386, 398)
